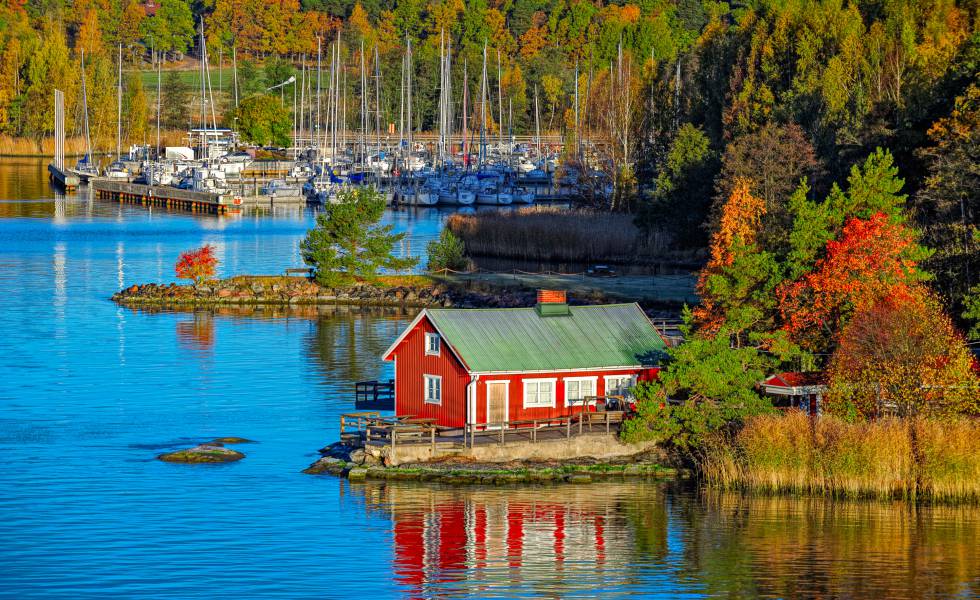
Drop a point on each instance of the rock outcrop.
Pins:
(210, 452)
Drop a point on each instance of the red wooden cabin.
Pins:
(490, 366)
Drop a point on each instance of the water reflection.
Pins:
(822, 548)
(551, 541)
(341, 350)
(620, 538)
(198, 332)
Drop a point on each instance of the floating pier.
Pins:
(166, 196)
(69, 181)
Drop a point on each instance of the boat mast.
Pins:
(483, 107)
(537, 122)
(577, 147)
(466, 87)
(315, 138)
(158, 104)
(234, 69)
(448, 146)
(119, 108)
(377, 105)
(88, 140)
(440, 140)
(401, 111)
(500, 108)
(204, 112)
(409, 72)
(364, 104)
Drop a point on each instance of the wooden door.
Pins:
(497, 402)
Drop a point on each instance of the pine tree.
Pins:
(347, 244)
(176, 95)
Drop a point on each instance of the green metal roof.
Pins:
(519, 339)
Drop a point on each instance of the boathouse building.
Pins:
(496, 366)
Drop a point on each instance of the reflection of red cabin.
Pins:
(797, 390)
(503, 365)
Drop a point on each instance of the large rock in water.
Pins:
(204, 453)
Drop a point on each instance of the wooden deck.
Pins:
(369, 428)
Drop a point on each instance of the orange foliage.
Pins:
(741, 218)
(533, 40)
(197, 265)
(869, 262)
(902, 354)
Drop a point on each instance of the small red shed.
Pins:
(797, 390)
(490, 366)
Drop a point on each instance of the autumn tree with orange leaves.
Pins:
(902, 354)
(736, 286)
(197, 265)
(873, 259)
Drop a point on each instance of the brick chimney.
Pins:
(552, 303)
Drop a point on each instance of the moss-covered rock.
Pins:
(204, 453)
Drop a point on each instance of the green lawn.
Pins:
(192, 77)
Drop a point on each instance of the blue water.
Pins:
(91, 392)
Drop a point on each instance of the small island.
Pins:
(208, 452)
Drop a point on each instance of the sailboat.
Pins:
(85, 169)
(411, 192)
(117, 169)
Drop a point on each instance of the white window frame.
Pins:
(429, 337)
(554, 392)
(607, 378)
(425, 389)
(595, 387)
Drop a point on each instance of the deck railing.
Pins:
(528, 429)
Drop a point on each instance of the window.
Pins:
(578, 388)
(432, 344)
(433, 389)
(539, 393)
(620, 385)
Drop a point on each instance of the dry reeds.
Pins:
(888, 458)
(75, 146)
(557, 235)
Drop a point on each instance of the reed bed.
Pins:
(550, 234)
(75, 146)
(889, 458)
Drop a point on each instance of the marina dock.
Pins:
(166, 197)
(67, 180)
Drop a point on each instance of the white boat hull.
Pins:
(494, 199)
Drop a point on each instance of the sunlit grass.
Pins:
(888, 458)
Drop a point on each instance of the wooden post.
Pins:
(581, 417)
(568, 427)
(502, 425)
(432, 434)
(392, 445)
(534, 432)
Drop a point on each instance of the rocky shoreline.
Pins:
(418, 292)
(354, 464)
